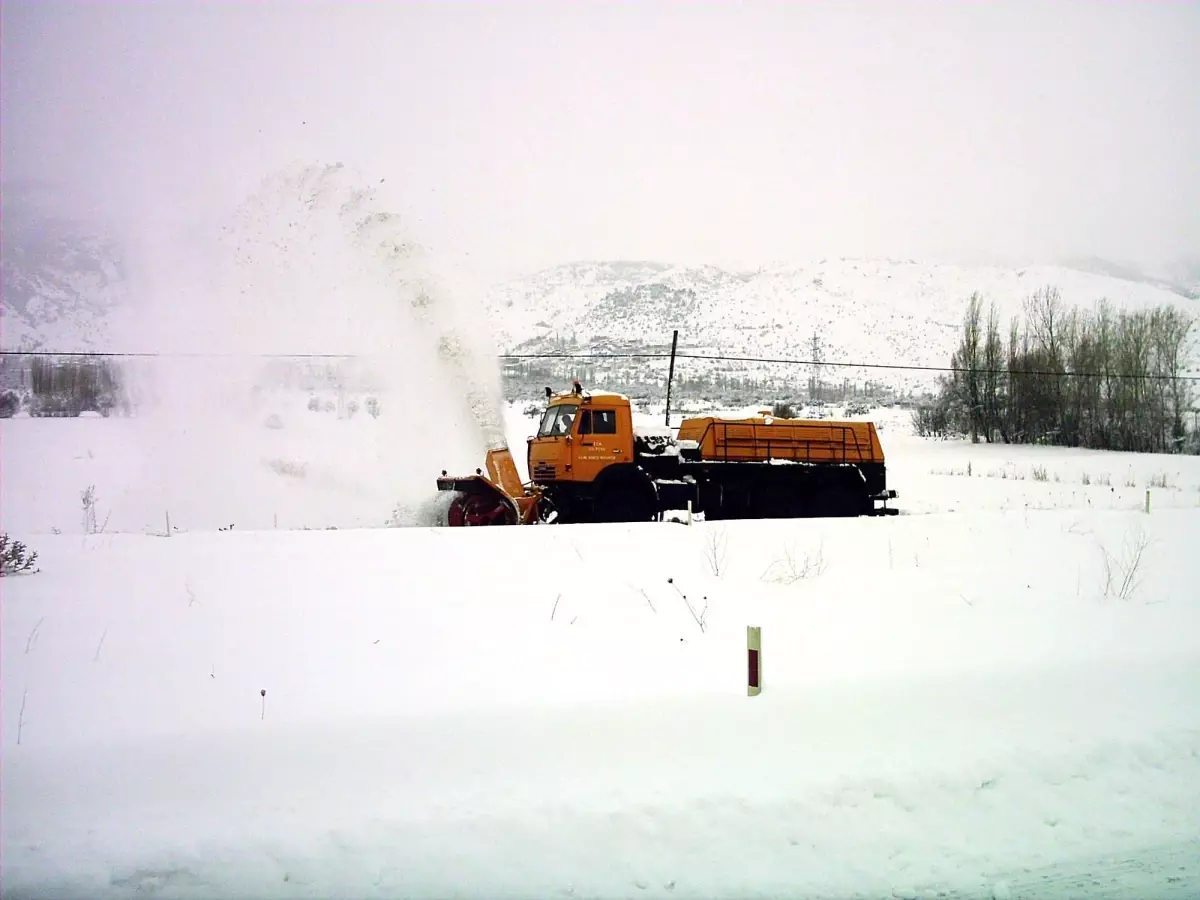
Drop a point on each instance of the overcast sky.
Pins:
(735, 133)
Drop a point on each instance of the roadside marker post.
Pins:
(754, 660)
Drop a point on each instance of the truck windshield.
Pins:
(557, 420)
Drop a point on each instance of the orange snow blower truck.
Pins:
(589, 463)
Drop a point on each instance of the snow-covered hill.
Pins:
(63, 285)
(61, 280)
(874, 311)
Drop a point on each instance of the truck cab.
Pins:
(580, 435)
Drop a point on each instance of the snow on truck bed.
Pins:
(996, 694)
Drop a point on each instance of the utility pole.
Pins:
(671, 376)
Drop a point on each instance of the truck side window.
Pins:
(557, 420)
(604, 421)
(585, 422)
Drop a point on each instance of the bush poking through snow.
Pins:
(791, 568)
(17, 558)
(90, 500)
(1040, 474)
(287, 467)
(701, 617)
(714, 551)
(1122, 571)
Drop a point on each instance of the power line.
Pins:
(906, 367)
(953, 369)
(765, 360)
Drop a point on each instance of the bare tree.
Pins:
(993, 382)
(1100, 379)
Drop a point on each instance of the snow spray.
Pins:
(309, 284)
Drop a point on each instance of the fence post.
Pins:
(1147, 501)
(754, 660)
(689, 512)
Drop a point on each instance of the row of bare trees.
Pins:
(1105, 379)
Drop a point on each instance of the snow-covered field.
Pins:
(996, 694)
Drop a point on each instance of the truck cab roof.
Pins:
(606, 397)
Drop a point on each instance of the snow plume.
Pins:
(310, 283)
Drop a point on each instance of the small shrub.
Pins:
(10, 404)
(314, 404)
(782, 410)
(791, 568)
(372, 405)
(1087, 479)
(15, 557)
(714, 551)
(1159, 481)
(1122, 570)
(287, 467)
(1105, 480)
(933, 420)
(1040, 474)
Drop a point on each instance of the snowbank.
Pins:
(951, 703)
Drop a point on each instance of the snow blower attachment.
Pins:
(497, 498)
(588, 463)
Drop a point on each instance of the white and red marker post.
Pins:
(754, 660)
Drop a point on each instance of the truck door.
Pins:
(599, 443)
(551, 450)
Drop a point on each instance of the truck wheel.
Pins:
(839, 501)
(712, 502)
(549, 512)
(626, 497)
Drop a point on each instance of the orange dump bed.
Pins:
(799, 440)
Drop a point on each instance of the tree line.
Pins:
(64, 387)
(1104, 379)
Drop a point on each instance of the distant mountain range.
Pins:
(860, 311)
(61, 282)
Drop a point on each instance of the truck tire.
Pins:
(839, 500)
(625, 495)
